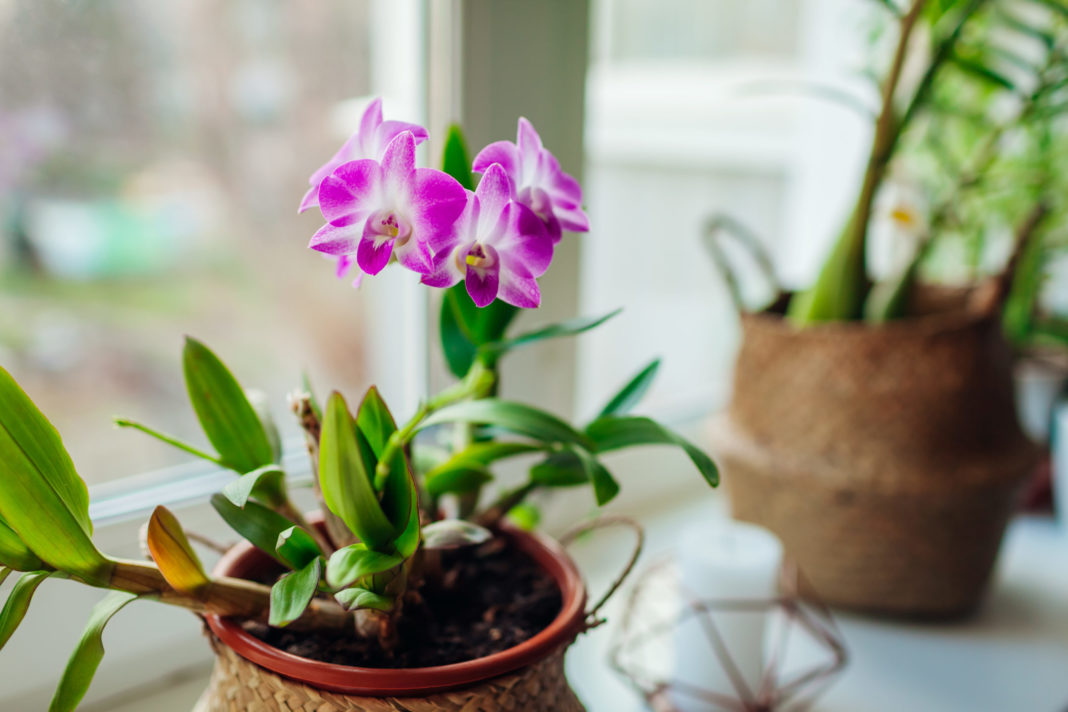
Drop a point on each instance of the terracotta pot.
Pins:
(888, 459)
(253, 676)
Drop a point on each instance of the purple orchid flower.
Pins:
(369, 141)
(540, 184)
(501, 246)
(388, 209)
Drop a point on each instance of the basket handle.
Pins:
(592, 620)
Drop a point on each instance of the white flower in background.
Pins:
(899, 224)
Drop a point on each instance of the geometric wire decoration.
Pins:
(642, 651)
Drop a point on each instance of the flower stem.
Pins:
(476, 384)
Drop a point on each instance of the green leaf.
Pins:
(18, 602)
(980, 70)
(464, 327)
(263, 482)
(223, 409)
(616, 432)
(514, 417)
(455, 159)
(170, 549)
(293, 592)
(351, 563)
(841, 287)
(486, 453)
(400, 499)
(605, 487)
(560, 469)
(554, 331)
(42, 498)
(13, 553)
(630, 394)
(375, 421)
(296, 547)
(889, 299)
(258, 524)
(87, 655)
(170, 440)
(456, 476)
(346, 466)
(457, 341)
(262, 406)
(525, 515)
(354, 598)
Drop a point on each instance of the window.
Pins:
(697, 109)
(153, 158)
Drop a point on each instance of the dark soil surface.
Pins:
(488, 600)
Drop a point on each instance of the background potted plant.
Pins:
(872, 423)
(410, 575)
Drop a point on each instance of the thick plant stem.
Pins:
(842, 285)
(224, 596)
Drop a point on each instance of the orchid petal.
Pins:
(494, 192)
(438, 200)
(483, 283)
(373, 255)
(529, 150)
(416, 256)
(310, 199)
(520, 292)
(351, 192)
(370, 122)
(334, 240)
(398, 164)
(502, 152)
(389, 130)
(526, 241)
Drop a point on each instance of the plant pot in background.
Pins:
(888, 459)
(252, 676)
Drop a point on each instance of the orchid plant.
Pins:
(392, 494)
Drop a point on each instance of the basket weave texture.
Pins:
(238, 685)
(887, 459)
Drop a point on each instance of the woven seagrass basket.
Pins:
(887, 459)
(251, 676)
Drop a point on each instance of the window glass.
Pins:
(152, 157)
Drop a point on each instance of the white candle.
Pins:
(724, 560)
(1059, 462)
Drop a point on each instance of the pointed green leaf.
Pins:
(262, 406)
(305, 380)
(260, 525)
(173, 554)
(515, 417)
(87, 655)
(605, 487)
(296, 547)
(351, 563)
(13, 553)
(554, 331)
(355, 598)
(456, 476)
(464, 327)
(18, 602)
(616, 432)
(630, 394)
(346, 465)
(42, 498)
(486, 453)
(455, 159)
(375, 421)
(293, 592)
(263, 482)
(525, 515)
(224, 412)
(560, 469)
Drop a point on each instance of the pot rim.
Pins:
(381, 682)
